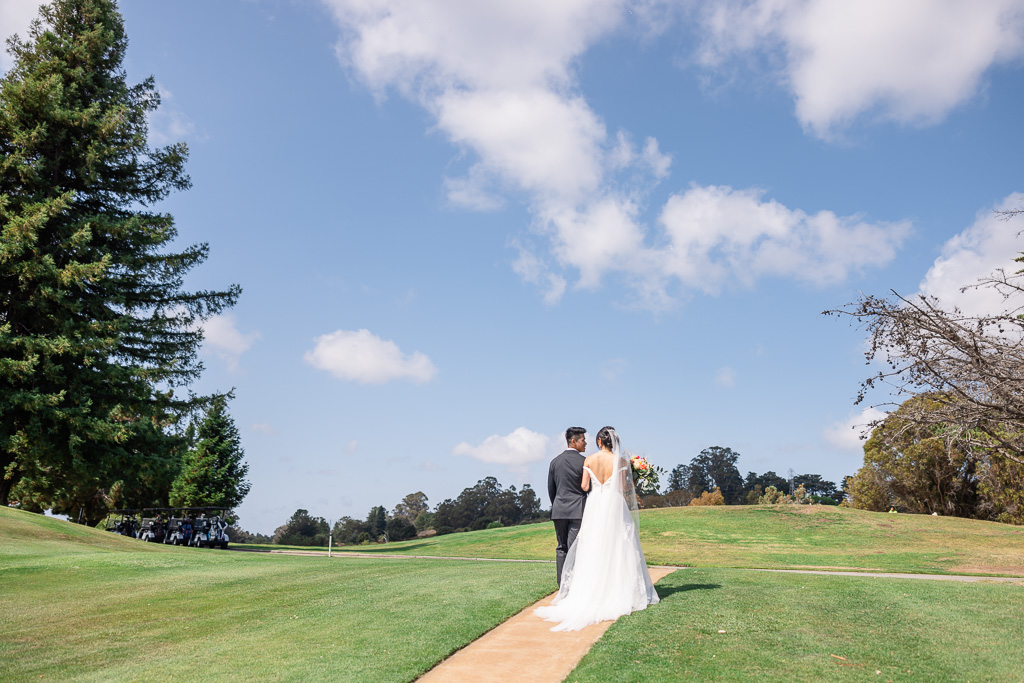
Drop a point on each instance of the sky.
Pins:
(462, 227)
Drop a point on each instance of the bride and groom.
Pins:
(602, 573)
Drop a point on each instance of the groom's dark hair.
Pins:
(573, 433)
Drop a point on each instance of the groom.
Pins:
(565, 475)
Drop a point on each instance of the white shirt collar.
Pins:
(570, 448)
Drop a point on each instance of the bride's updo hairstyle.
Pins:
(606, 438)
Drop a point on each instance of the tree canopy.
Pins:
(487, 502)
(302, 529)
(213, 472)
(412, 506)
(715, 467)
(917, 468)
(98, 337)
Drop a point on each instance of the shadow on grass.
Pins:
(665, 591)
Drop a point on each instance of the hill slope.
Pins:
(773, 536)
(80, 604)
(28, 534)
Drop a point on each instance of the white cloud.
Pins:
(499, 79)
(719, 235)
(516, 450)
(361, 356)
(613, 368)
(15, 17)
(263, 428)
(168, 126)
(846, 434)
(726, 377)
(531, 268)
(990, 243)
(351, 446)
(222, 336)
(910, 61)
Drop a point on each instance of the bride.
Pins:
(605, 575)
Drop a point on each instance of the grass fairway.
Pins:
(814, 628)
(84, 605)
(772, 537)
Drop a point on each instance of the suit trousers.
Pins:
(565, 533)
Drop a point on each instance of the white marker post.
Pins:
(330, 536)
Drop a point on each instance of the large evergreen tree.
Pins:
(213, 473)
(96, 331)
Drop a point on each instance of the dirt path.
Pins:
(523, 649)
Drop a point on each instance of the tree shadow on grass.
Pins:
(665, 591)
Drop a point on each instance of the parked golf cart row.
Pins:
(200, 527)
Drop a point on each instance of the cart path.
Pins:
(969, 578)
(523, 649)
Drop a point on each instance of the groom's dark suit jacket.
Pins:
(564, 476)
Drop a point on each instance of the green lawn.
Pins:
(775, 537)
(814, 628)
(79, 604)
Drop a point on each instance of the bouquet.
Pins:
(645, 475)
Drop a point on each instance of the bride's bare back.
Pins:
(602, 464)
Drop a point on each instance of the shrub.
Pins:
(480, 523)
(495, 525)
(753, 496)
(713, 498)
(773, 496)
(445, 530)
(678, 498)
(801, 497)
(362, 538)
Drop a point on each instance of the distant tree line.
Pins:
(712, 478)
(487, 505)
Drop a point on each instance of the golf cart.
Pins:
(152, 528)
(180, 524)
(123, 522)
(210, 530)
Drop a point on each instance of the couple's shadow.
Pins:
(665, 591)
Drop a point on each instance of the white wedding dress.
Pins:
(605, 574)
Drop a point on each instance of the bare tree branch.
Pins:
(971, 366)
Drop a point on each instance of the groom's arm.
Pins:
(551, 482)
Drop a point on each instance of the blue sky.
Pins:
(462, 227)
